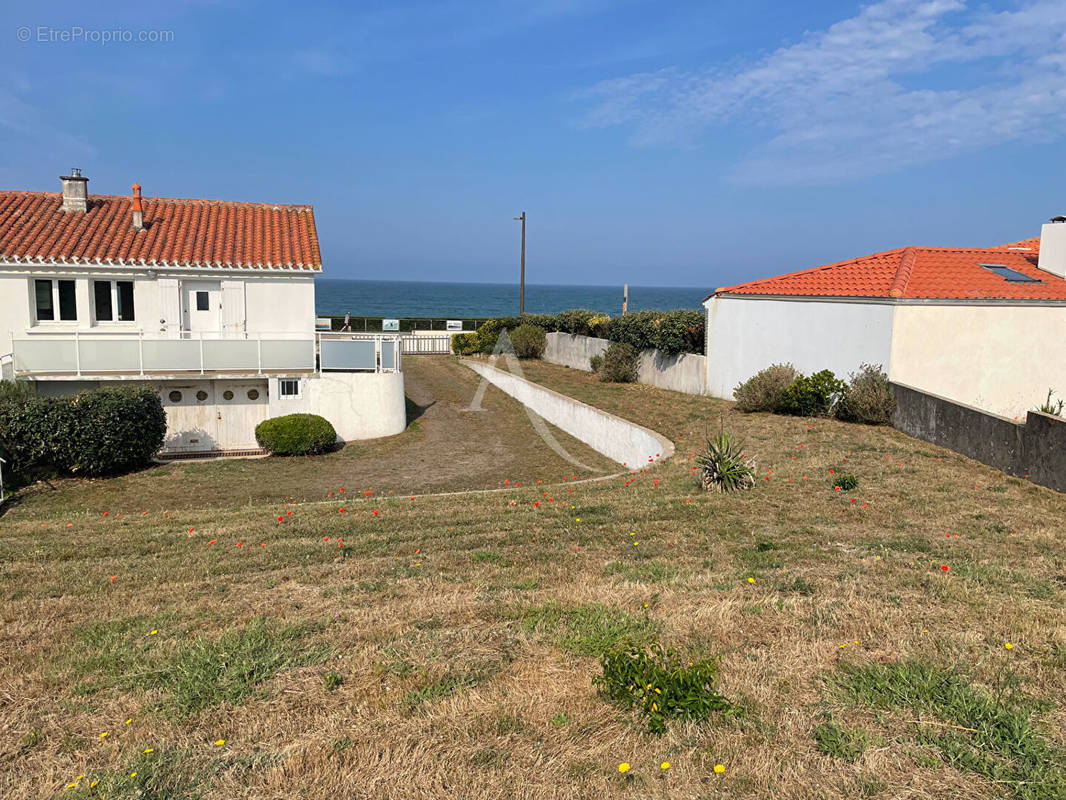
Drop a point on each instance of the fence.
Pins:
(427, 345)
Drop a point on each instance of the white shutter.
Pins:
(233, 317)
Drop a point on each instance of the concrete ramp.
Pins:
(620, 440)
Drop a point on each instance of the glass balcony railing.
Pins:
(80, 354)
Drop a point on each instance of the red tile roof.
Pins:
(194, 233)
(944, 273)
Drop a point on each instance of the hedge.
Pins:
(101, 432)
(672, 332)
(296, 435)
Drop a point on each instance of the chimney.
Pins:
(1053, 247)
(138, 210)
(75, 191)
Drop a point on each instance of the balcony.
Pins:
(74, 354)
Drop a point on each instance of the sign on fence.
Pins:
(390, 324)
(454, 325)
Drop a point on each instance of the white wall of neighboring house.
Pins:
(745, 335)
(998, 358)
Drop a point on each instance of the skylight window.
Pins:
(1010, 275)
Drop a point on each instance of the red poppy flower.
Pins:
(213, 541)
(281, 519)
(943, 567)
(240, 544)
(340, 510)
(113, 577)
(536, 503)
(376, 512)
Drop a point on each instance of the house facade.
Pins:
(211, 303)
(981, 326)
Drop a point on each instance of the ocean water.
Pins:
(336, 296)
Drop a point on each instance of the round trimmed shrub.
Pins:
(528, 341)
(296, 435)
(814, 396)
(465, 344)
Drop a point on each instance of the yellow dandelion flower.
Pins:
(664, 766)
(579, 519)
(129, 720)
(80, 777)
(103, 735)
(93, 784)
(149, 750)
(719, 768)
(219, 742)
(658, 691)
(133, 774)
(645, 605)
(635, 543)
(751, 580)
(72, 785)
(153, 632)
(1008, 646)
(624, 767)
(654, 706)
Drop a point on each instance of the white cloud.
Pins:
(846, 102)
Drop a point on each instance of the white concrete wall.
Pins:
(745, 335)
(998, 358)
(360, 405)
(616, 438)
(685, 372)
(571, 350)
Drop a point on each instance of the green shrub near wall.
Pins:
(296, 435)
(619, 363)
(466, 344)
(102, 432)
(528, 341)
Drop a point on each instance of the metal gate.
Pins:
(427, 345)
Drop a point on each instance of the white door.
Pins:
(241, 406)
(192, 417)
(201, 303)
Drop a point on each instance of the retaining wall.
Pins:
(618, 439)
(1036, 448)
(685, 372)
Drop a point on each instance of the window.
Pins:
(227, 395)
(289, 387)
(50, 295)
(1010, 275)
(203, 301)
(253, 394)
(113, 300)
(175, 396)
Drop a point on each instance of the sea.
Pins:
(407, 299)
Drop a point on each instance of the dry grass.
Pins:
(461, 626)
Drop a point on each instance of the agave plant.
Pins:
(723, 466)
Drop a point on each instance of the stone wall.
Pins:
(1036, 448)
(685, 372)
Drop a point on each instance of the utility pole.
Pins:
(522, 292)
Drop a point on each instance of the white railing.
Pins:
(132, 353)
(427, 345)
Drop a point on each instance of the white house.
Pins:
(211, 303)
(980, 326)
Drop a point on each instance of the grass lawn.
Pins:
(446, 646)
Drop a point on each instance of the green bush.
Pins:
(869, 398)
(596, 363)
(619, 363)
(101, 432)
(763, 390)
(814, 396)
(599, 326)
(296, 435)
(575, 320)
(846, 482)
(528, 341)
(672, 332)
(660, 685)
(723, 467)
(466, 344)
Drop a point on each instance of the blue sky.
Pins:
(684, 143)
